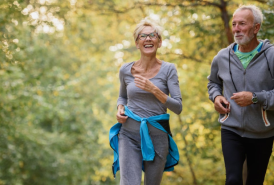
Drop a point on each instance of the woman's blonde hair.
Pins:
(147, 22)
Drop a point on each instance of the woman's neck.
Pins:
(147, 63)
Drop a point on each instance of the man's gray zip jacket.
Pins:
(255, 120)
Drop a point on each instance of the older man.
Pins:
(241, 85)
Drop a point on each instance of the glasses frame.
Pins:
(138, 37)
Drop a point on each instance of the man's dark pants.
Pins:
(236, 149)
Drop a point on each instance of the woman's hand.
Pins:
(144, 83)
(148, 86)
(120, 116)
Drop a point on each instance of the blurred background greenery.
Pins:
(59, 63)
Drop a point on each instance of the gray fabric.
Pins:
(245, 121)
(145, 104)
(131, 157)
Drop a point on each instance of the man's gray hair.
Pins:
(257, 13)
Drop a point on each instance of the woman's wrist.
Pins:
(160, 95)
(120, 106)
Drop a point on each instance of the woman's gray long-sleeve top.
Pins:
(144, 103)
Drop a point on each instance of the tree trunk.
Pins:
(225, 18)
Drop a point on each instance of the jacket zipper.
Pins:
(244, 108)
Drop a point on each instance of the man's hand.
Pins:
(221, 105)
(243, 98)
(120, 116)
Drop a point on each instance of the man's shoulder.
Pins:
(222, 53)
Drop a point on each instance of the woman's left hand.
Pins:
(144, 83)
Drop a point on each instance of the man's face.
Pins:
(243, 27)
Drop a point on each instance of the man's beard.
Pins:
(245, 40)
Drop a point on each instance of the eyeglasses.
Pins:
(143, 36)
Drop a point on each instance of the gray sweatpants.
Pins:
(130, 155)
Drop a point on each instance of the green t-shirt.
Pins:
(245, 58)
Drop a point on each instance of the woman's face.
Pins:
(149, 44)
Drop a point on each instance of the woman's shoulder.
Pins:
(126, 67)
(167, 66)
(168, 69)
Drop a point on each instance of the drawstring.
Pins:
(231, 72)
(268, 66)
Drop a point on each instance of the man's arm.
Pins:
(215, 88)
(266, 97)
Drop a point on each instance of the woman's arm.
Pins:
(148, 86)
(122, 99)
(174, 103)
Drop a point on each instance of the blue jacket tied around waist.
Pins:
(147, 148)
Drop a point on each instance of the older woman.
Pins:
(141, 139)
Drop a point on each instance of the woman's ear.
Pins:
(137, 44)
(160, 43)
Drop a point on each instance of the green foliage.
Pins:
(59, 85)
